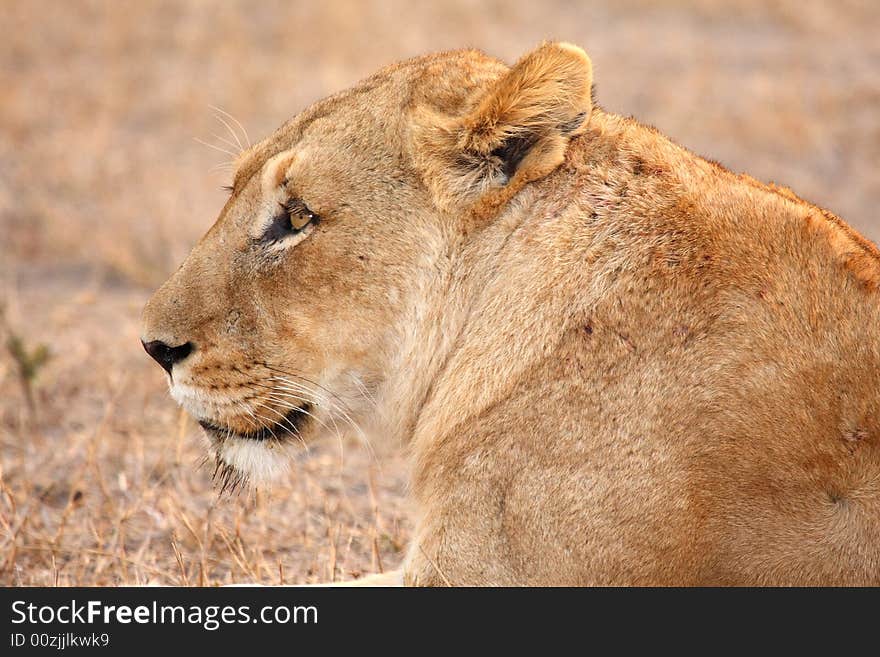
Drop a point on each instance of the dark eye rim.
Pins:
(281, 225)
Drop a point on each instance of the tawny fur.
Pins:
(612, 361)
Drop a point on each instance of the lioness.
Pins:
(612, 361)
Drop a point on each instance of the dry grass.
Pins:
(103, 191)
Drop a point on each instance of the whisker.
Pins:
(252, 418)
(247, 139)
(281, 399)
(269, 423)
(285, 390)
(298, 376)
(223, 139)
(284, 420)
(312, 397)
(292, 387)
(295, 387)
(215, 147)
(231, 131)
(364, 391)
(335, 404)
(228, 165)
(283, 417)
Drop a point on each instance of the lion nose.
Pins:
(167, 356)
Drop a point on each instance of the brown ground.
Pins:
(103, 191)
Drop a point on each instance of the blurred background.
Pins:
(104, 189)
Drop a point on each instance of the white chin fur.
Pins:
(256, 459)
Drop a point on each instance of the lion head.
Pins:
(296, 314)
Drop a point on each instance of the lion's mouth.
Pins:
(289, 425)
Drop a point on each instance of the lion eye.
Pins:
(295, 217)
(298, 214)
(299, 219)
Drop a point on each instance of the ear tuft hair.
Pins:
(547, 90)
(518, 128)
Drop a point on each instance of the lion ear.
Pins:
(517, 128)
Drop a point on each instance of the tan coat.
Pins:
(613, 362)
